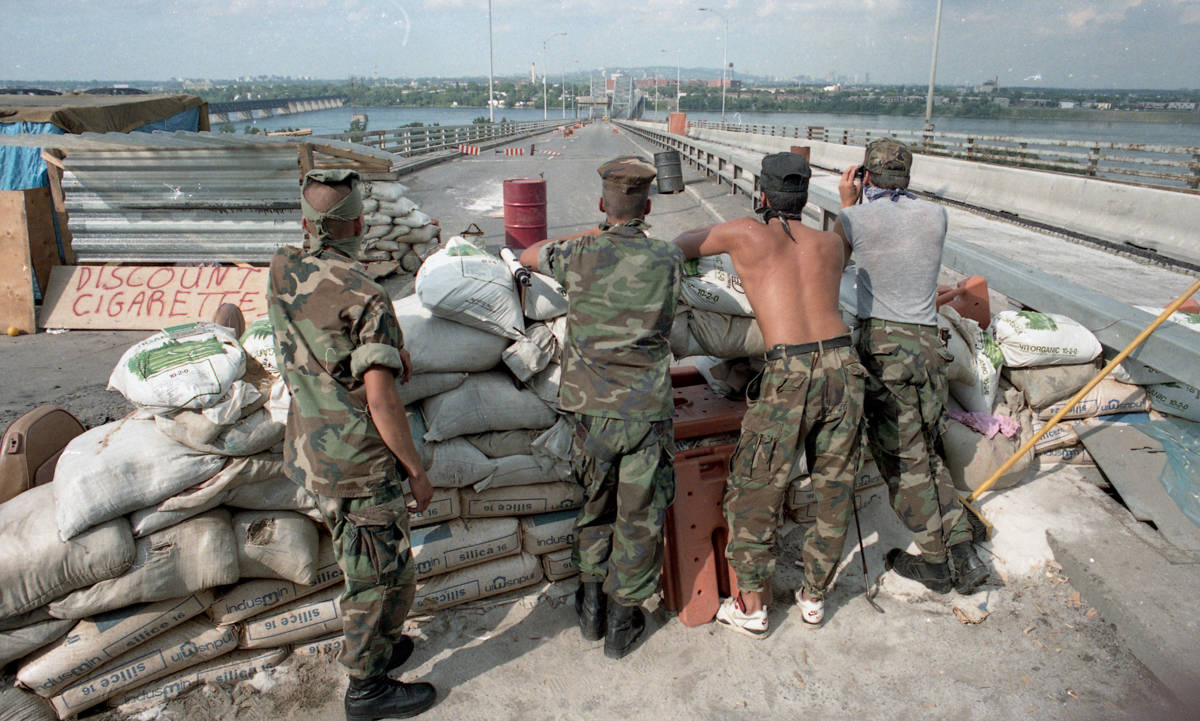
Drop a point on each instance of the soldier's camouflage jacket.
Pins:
(331, 323)
(622, 287)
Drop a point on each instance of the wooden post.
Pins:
(54, 170)
(27, 250)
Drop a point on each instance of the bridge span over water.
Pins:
(252, 109)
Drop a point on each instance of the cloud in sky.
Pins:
(1071, 43)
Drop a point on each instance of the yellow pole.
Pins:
(1086, 389)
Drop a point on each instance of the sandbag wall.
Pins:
(395, 229)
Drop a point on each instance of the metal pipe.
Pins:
(937, 31)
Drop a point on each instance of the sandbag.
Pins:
(498, 444)
(1069, 455)
(17, 704)
(175, 562)
(979, 394)
(1062, 435)
(119, 467)
(95, 641)
(710, 283)
(485, 402)
(36, 567)
(185, 366)
(544, 298)
(227, 670)
(256, 596)
(276, 544)
(972, 457)
(254, 433)
(1191, 321)
(475, 582)
(546, 532)
(192, 642)
(680, 338)
(307, 618)
(438, 345)
(558, 565)
(466, 284)
(456, 463)
(325, 646)
(545, 385)
(398, 207)
(418, 235)
(521, 500)
(375, 232)
(457, 544)
(1108, 397)
(1139, 374)
(444, 506)
(726, 336)
(415, 219)
(259, 343)
(21, 642)
(1029, 339)
(523, 470)
(377, 218)
(423, 385)
(1176, 399)
(533, 353)
(1043, 385)
(381, 190)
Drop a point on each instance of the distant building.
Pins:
(1181, 106)
(197, 85)
(1067, 104)
(1002, 102)
(988, 87)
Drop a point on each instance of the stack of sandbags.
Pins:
(395, 230)
(714, 317)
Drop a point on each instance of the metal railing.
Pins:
(419, 140)
(1174, 167)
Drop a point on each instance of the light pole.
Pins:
(724, 59)
(491, 69)
(545, 112)
(677, 84)
(937, 31)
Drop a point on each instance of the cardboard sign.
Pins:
(148, 297)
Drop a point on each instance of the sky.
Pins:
(1116, 44)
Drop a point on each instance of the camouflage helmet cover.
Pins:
(887, 150)
(627, 174)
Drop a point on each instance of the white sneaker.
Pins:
(812, 613)
(733, 615)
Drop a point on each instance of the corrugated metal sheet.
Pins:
(181, 198)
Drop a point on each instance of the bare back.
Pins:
(791, 285)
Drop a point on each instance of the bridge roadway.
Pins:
(1035, 656)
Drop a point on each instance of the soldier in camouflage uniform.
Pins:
(897, 242)
(811, 397)
(339, 347)
(622, 287)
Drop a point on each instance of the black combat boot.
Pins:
(383, 698)
(625, 626)
(935, 576)
(591, 603)
(969, 571)
(401, 650)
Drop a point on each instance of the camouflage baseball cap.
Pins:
(784, 173)
(887, 150)
(627, 174)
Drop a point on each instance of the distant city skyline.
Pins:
(1118, 44)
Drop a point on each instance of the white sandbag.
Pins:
(962, 368)
(119, 467)
(544, 298)
(438, 345)
(36, 567)
(979, 394)
(382, 190)
(1069, 455)
(276, 544)
(238, 472)
(485, 402)
(533, 353)
(377, 218)
(470, 286)
(325, 646)
(521, 500)
(498, 444)
(475, 582)
(555, 445)
(1175, 399)
(1043, 385)
(399, 206)
(388, 245)
(259, 342)
(272, 494)
(374, 255)
(192, 642)
(444, 506)
(21, 642)
(227, 670)
(422, 385)
(710, 283)
(185, 366)
(373, 233)
(726, 336)
(29, 618)
(558, 565)
(523, 470)
(1062, 435)
(422, 239)
(1139, 374)
(307, 618)
(972, 457)
(457, 544)
(261, 595)
(17, 704)
(1108, 397)
(94, 642)
(397, 233)
(456, 463)
(370, 205)
(680, 338)
(1191, 321)
(545, 385)
(546, 532)
(415, 219)
(411, 262)
(251, 434)
(1040, 339)
(172, 563)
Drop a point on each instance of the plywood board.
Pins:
(16, 266)
(148, 297)
(43, 246)
(1133, 461)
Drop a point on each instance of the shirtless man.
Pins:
(811, 397)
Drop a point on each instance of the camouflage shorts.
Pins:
(810, 403)
(627, 471)
(372, 545)
(906, 398)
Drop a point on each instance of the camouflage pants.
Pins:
(906, 397)
(628, 474)
(372, 545)
(810, 402)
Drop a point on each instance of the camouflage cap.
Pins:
(784, 173)
(887, 150)
(627, 174)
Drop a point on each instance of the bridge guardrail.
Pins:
(418, 140)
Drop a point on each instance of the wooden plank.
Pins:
(1133, 461)
(54, 169)
(16, 267)
(148, 297)
(43, 247)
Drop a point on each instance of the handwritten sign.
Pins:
(148, 297)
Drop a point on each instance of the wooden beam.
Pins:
(16, 266)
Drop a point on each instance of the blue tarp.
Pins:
(22, 168)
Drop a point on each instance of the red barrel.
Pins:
(524, 212)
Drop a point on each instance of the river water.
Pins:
(337, 120)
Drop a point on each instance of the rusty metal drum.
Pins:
(524, 212)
